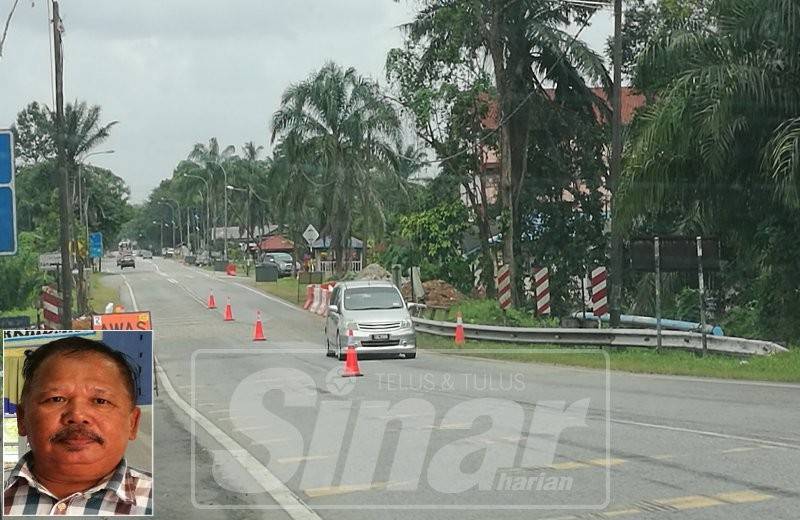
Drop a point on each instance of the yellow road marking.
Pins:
(662, 457)
(454, 426)
(289, 460)
(740, 450)
(349, 488)
(606, 462)
(690, 502)
(620, 512)
(568, 465)
(743, 497)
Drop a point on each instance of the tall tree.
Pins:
(348, 131)
(528, 46)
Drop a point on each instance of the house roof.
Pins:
(325, 243)
(276, 243)
(631, 100)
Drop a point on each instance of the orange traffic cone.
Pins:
(351, 361)
(460, 340)
(228, 311)
(212, 303)
(258, 330)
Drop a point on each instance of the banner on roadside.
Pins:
(122, 321)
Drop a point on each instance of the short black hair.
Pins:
(79, 345)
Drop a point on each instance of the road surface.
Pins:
(270, 430)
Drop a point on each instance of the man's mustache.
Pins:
(75, 431)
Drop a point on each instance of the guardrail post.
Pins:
(702, 294)
(657, 247)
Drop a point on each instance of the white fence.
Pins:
(329, 266)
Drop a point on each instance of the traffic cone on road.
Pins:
(228, 311)
(258, 330)
(351, 361)
(212, 303)
(460, 340)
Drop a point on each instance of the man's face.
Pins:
(78, 415)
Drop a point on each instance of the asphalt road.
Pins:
(271, 430)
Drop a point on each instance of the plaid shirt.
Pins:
(126, 492)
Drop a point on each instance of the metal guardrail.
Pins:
(671, 339)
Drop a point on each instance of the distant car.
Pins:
(169, 253)
(137, 252)
(378, 316)
(202, 259)
(283, 261)
(126, 260)
(147, 253)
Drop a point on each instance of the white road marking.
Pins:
(708, 434)
(291, 503)
(273, 299)
(172, 280)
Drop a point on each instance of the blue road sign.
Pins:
(8, 206)
(95, 245)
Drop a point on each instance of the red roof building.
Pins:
(275, 244)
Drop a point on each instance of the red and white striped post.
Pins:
(541, 283)
(504, 286)
(600, 292)
(51, 307)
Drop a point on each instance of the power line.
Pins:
(505, 119)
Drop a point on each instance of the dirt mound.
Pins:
(374, 272)
(437, 293)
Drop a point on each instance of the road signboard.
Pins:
(311, 234)
(8, 205)
(50, 261)
(677, 254)
(96, 245)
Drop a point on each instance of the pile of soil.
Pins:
(374, 272)
(437, 293)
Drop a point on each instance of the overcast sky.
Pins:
(178, 72)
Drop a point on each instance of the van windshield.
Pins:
(372, 298)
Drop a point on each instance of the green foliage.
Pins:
(715, 152)
(433, 241)
(488, 312)
(20, 277)
(339, 136)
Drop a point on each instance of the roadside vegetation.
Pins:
(784, 367)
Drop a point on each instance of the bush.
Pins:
(20, 277)
(488, 312)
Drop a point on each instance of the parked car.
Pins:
(283, 260)
(169, 252)
(146, 253)
(378, 316)
(126, 260)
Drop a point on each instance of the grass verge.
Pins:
(100, 294)
(782, 367)
(285, 288)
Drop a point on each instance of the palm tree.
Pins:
(344, 131)
(726, 104)
(210, 159)
(80, 133)
(717, 152)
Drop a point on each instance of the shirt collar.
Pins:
(119, 482)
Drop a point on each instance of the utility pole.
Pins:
(615, 274)
(63, 175)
